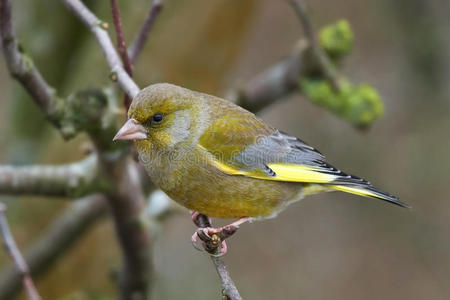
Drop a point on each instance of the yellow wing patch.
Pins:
(226, 169)
(299, 173)
(283, 172)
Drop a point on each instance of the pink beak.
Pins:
(131, 130)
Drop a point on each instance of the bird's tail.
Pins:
(365, 189)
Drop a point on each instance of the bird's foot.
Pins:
(212, 244)
(213, 239)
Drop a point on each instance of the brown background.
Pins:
(333, 246)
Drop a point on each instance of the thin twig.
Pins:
(229, 288)
(65, 231)
(59, 238)
(96, 26)
(22, 68)
(63, 113)
(282, 78)
(326, 66)
(17, 257)
(302, 13)
(141, 38)
(121, 46)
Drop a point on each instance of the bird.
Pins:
(218, 159)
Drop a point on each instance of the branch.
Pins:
(269, 86)
(229, 288)
(14, 252)
(61, 236)
(301, 11)
(95, 25)
(121, 46)
(132, 224)
(63, 233)
(283, 78)
(127, 201)
(359, 105)
(141, 38)
(21, 67)
(64, 113)
(70, 180)
(84, 110)
(326, 66)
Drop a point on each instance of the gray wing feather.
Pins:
(282, 148)
(279, 147)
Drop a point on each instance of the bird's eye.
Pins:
(157, 118)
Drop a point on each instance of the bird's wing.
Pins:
(246, 145)
(249, 147)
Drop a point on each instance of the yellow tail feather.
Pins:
(357, 191)
(368, 191)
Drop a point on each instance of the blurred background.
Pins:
(330, 246)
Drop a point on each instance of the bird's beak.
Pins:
(131, 130)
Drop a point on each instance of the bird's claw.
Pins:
(213, 239)
(194, 240)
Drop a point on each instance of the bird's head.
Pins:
(162, 115)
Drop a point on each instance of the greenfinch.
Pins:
(218, 159)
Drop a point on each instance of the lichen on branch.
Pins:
(70, 180)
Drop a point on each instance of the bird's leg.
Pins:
(231, 228)
(213, 238)
(195, 218)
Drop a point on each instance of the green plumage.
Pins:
(221, 160)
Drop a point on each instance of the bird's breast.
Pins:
(189, 178)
